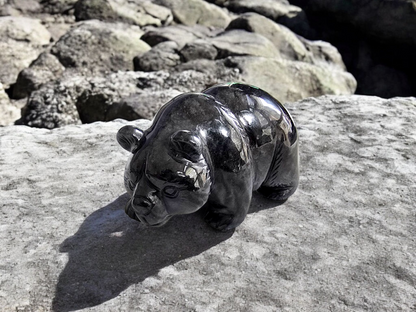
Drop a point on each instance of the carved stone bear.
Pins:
(212, 148)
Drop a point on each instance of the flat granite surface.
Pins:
(345, 241)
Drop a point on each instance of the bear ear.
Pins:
(187, 145)
(130, 138)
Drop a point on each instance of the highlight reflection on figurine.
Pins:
(212, 148)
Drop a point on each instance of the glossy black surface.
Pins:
(212, 148)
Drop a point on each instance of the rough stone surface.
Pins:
(140, 105)
(75, 98)
(291, 81)
(240, 42)
(137, 13)
(161, 56)
(94, 103)
(191, 12)
(9, 113)
(323, 54)
(280, 11)
(270, 8)
(345, 240)
(94, 9)
(21, 41)
(57, 24)
(54, 104)
(19, 7)
(290, 46)
(198, 49)
(178, 33)
(44, 69)
(95, 47)
(57, 6)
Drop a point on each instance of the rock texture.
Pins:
(290, 81)
(136, 13)
(163, 55)
(343, 242)
(180, 34)
(280, 11)
(191, 12)
(95, 47)
(76, 98)
(21, 41)
(8, 111)
(42, 70)
(59, 56)
(252, 49)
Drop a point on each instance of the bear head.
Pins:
(166, 175)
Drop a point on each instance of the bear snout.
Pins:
(143, 203)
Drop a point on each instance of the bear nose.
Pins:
(143, 202)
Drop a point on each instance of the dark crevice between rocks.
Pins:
(386, 69)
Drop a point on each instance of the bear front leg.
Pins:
(228, 207)
(130, 211)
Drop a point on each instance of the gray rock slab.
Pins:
(291, 80)
(161, 56)
(345, 241)
(75, 98)
(19, 7)
(21, 41)
(9, 112)
(57, 6)
(291, 46)
(131, 12)
(180, 34)
(95, 47)
(198, 49)
(237, 42)
(191, 12)
(42, 70)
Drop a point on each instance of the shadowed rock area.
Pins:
(344, 241)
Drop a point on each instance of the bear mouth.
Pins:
(156, 216)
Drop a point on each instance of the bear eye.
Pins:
(170, 191)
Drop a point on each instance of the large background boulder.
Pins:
(21, 41)
(191, 12)
(95, 47)
(343, 241)
(291, 81)
(280, 11)
(42, 70)
(137, 13)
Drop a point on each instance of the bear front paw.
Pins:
(130, 212)
(219, 221)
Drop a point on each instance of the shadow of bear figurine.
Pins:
(211, 149)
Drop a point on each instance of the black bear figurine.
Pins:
(212, 148)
